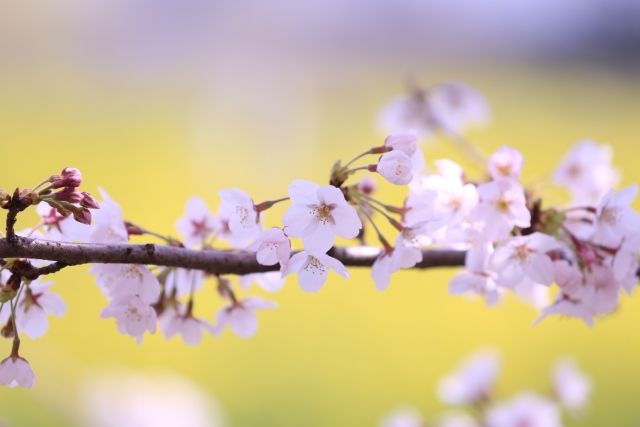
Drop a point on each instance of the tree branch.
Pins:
(214, 261)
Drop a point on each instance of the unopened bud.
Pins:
(68, 195)
(133, 230)
(69, 177)
(82, 215)
(88, 201)
(367, 185)
(7, 330)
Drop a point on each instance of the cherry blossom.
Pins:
(441, 200)
(313, 268)
(15, 371)
(615, 218)
(405, 254)
(472, 382)
(119, 398)
(457, 106)
(35, 304)
(396, 167)
(240, 316)
(133, 316)
(177, 319)
(506, 163)
(587, 172)
(197, 224)
(183, 281)
(239, 211)
(627, 262)
(271, 281)
(502, 206)
(412, 113)
(318, 214)
(272, 247)
(598, 294)
(525, 257)
(59, 227)
(118, 280)
(406, 142)
(526, 409)
(571, 386)
(477, 278)
(367, 185)
(108, 224)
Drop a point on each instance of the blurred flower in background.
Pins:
(120, 399)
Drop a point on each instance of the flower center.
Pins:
(503, 205)
(323, 213)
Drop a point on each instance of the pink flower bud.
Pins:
(88, 201)
(68, 195)
(69, 177)
(82, 215)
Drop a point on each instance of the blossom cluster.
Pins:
(470, 390)
(585, 254)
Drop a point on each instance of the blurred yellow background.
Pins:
(348, 354)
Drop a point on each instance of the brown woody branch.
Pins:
(214, 261)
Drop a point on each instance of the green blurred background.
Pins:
(162, 118)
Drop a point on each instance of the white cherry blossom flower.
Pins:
(177, 320)
(36, 302)
(117, 280)
(598, 294)
(411, 113)
(313, 268)
(403, 417)
(61, 228)
(396, 167)
(108, 224)
(238, 209)
(502, 207)
(183, 281)
(318, 214)
(526, 409)
(197, 224)
(477, 278)
(15, 371)
(615, 218)
(457, 106)
(407, 142)
(271, 281)
(133, 316)
(525, 257)
(587, 172)
(626, 262)
(403, 255)
(506, 163)
(571, 386)
(272, 247)
(473, 381)
(240, 316)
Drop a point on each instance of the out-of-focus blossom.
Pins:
(241, 216)
(402, 255)
(133, 316)
(477, 278)
(271, 281)
(525, 257)
(615, 218)
(571, 386)
(15, 371)
(318, 214)
(240, 316)
(457, 420)
(183, 281)
(197, 224)
(502, 207)
(118, 280)
(472, 382)
(506, 163)
(177, 320)
(587, 172)
(120, 399)
(108, 224)
(526, 409)
(396, 167)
